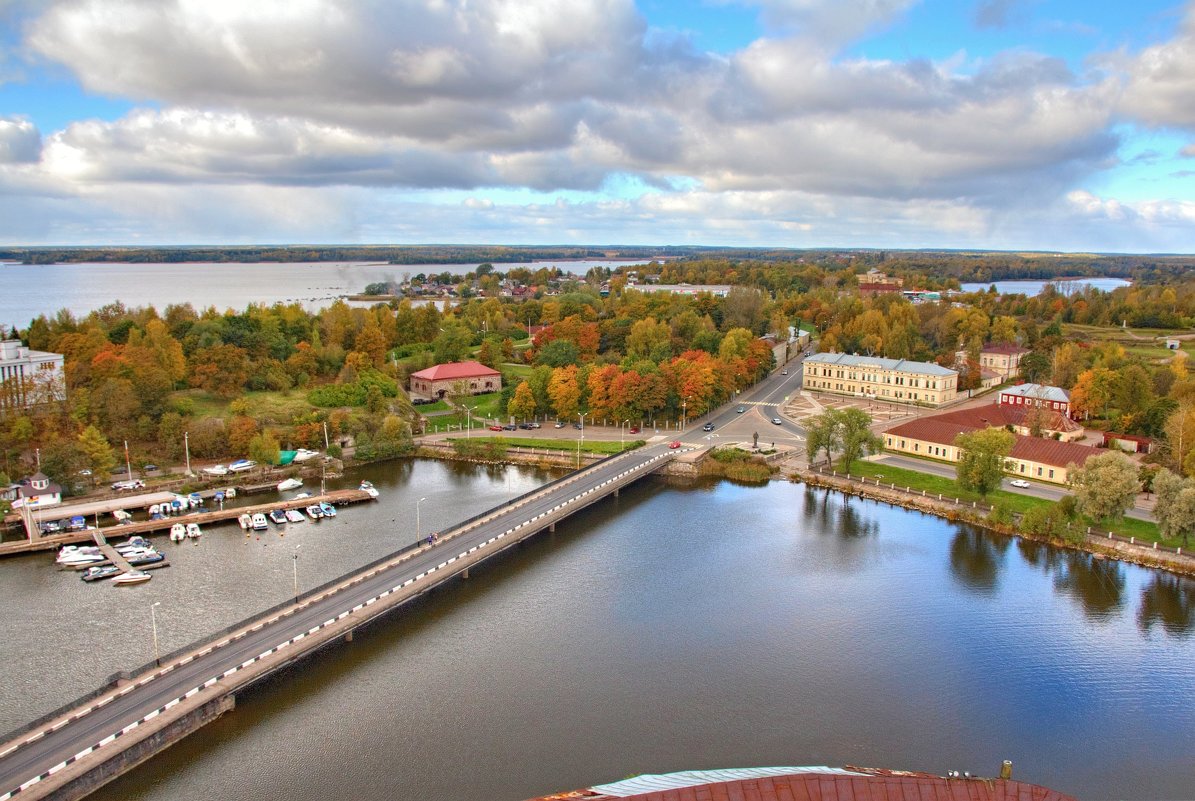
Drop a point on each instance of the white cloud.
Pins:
(1160, 85)
(20, 141)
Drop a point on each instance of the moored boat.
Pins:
(135, 577)
(290, 484)
(193, 530)
(245, 521)
(259, 522)
(178, 532)
(369, 489)
(277, 516)
(97, 573)
(314, 512)
(327, 509)
(294, 516)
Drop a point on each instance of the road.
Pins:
(761, 404)
(52, 747)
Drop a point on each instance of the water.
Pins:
(1032, 288)
(668, 629)
(85, 287)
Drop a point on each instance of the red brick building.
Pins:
(455, 378)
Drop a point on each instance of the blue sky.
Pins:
(1004, 124)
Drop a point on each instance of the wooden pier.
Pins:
(335, 497)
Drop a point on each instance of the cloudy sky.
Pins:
(1005, 124)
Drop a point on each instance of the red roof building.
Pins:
(455, 378)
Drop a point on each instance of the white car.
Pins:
(1019, 483)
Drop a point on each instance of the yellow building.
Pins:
(898, 380)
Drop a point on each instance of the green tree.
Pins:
(983, 457)
(453, 344)
(264, 448)
(857, 438)
(1105, 485)
(822, 434)
(97, 452)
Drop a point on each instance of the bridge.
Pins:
(72, 752)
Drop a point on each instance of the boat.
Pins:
(369, 489)
(294, 516)
(328, 509)
(216, 470)
(241, 465)
(148, 559)
(302, 454)
(121, 515)
(290, 484)
(195, 500)
(219, 496)
(156, 509)
(230, 492)
(135, 577)
(314, 512)
(301, 496)
(97, 573)
(136, 541)
(246, 521)
(178, 532)
(277, 516)
(80, 558)
(259, 522)
(193, 530)
(78, 523)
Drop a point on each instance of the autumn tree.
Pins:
(522, 405)
(263, 448)
(983, 458)
(97, 452)
(855, 436)
(565, 392)
(220, 369)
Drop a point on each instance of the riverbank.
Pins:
(1105, 545)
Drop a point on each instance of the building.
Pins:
(718, 290)
(29, 377)
(1031, 457)
(1040, 395)
(1003, 359)
(456, 378)
(897, 380)
(1128, 442)
(874, 282)
(37, 492)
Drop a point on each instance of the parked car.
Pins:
(577, 426)
(1020, 483)
(708, 427)
(509, 427)
(784, 372)
(149, 468)
(122, 486)
(674, 445)
(533, 425)
(741, 409)
(634, 429)
(495, 428)
(526, 426)
(776, 421)
(558, 425)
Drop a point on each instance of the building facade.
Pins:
(1037, 395)
(1003, 359)
(456, 378)
(898, 380)
(29, 377)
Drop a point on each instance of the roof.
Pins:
(454, 370)
(899, 365)
(812, 784)
(1010, 350)
(997, 414)
(1040, 391)
(942, 431)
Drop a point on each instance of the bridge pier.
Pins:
(348, 637)
(616, 491)
(465, 573)
(552, 528)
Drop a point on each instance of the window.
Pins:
(1039, 470)
(916, 446)
(1051, 474)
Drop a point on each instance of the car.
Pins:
(578, 426)
(784, 372)
(509, 427)
(741, 409)
(1019, 483)
(674, 445)
(533, 425)
(776, 421)
(84, 472)
(708, 427)
(495, 428)
(150, 467)
(558, 425)
(526, 426)
(634, 429)
(122, 486)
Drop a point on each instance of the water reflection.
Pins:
(975, 558)
(1169, 601)
(1097, 583)
(842, 515)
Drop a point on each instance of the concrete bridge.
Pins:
(70, 753)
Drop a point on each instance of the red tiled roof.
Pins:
(878, 786)
(1001, 414)
(455, 370)
(942, 431)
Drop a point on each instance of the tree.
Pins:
(1105, 485)
(97, 453)
(565, 392)
(522, 405)
(821, 435)
(983, 457)
(220, 369)
(453, 344)
(264, 448)
(1181, 520)
(857, 438)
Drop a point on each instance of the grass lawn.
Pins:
(279, 407)
(452, 422)
(484, 405)
(1135, 341)
(521, 370)
(591, 446)
(438, 406)
(949, 488)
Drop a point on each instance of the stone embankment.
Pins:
(1102, 545)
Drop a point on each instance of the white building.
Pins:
(883, 379)
(29, 377)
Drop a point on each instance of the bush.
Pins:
(335, 451)
(1001, 513)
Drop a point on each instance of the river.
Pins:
(1031, 288)
(84, 287)
(672, 628)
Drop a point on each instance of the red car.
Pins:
(634, 429)
(674, 445)
(495, 428)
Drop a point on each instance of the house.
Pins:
(1003, 359)
(29, 377)
(1039, 395)
(1029, 421)
(1031, 457)
(1128, 442)
(898, 380)
(718, 290)
(37, 491)
(874, 282)
(455, 378)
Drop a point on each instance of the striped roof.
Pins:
(897, 365)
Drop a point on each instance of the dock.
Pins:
(55, 541)
(113, 555)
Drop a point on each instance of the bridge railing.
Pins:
(115, 679)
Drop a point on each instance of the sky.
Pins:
(1045, 125)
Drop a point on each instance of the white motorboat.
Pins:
(121, 515)
(193, 530)
(241, 465)
(302, 454)
(314, 512)
(134, 577)
(80, 558)
(216, 470)
(178, 532)
(246, 521)
(260, 523)
(369, 489)
(230, 492)
(294, 516)
(290, 484)
(301, 496)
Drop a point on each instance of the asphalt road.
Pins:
(761, 403)
(54, 747)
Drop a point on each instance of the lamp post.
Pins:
(127, 466)
(153, 620)
(684, 412)
(580, 441)
(295, 563)
(187, 449)
(469, 422)
(418, 528)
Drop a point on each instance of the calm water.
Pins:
(1032, 288)
(667, 629)
(85, 287)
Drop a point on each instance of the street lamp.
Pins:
(418, 529)
(187, 449)
(580, 441)
(153, 619)
(684, 411)
(469, 419)
(295, 563)
(128, 467)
